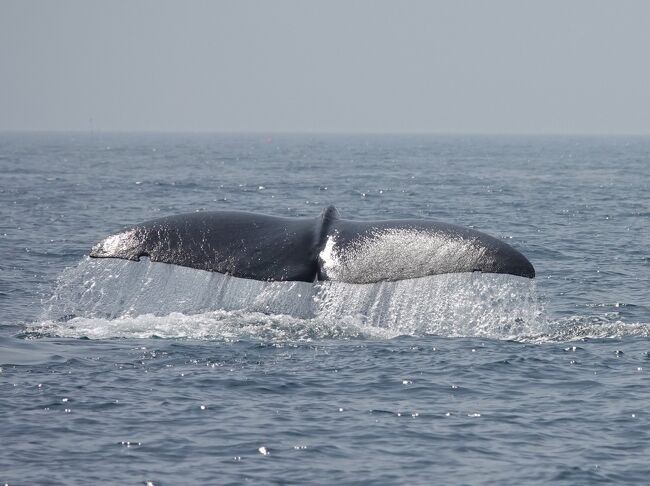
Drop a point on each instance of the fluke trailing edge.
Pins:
(261, 247)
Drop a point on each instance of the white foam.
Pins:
(215, 325)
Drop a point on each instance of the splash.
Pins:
(216, 325)
(112, 288)
(468, 304)
(109, 298)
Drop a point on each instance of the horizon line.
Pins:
(316, 133)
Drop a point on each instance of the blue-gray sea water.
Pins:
(134, 372)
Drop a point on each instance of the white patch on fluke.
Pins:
(398, 254)
(117, 243)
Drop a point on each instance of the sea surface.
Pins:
(119, 372)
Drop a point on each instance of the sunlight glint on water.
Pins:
(337, 383)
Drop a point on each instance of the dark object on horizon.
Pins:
(261, 247)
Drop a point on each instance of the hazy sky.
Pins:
(569, 66)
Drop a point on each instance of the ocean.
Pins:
(127, 372)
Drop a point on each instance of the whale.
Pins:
(326, 247)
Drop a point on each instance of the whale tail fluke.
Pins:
(264, 247)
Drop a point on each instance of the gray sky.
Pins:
(570, 66)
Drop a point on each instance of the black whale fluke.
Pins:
(261, 247)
